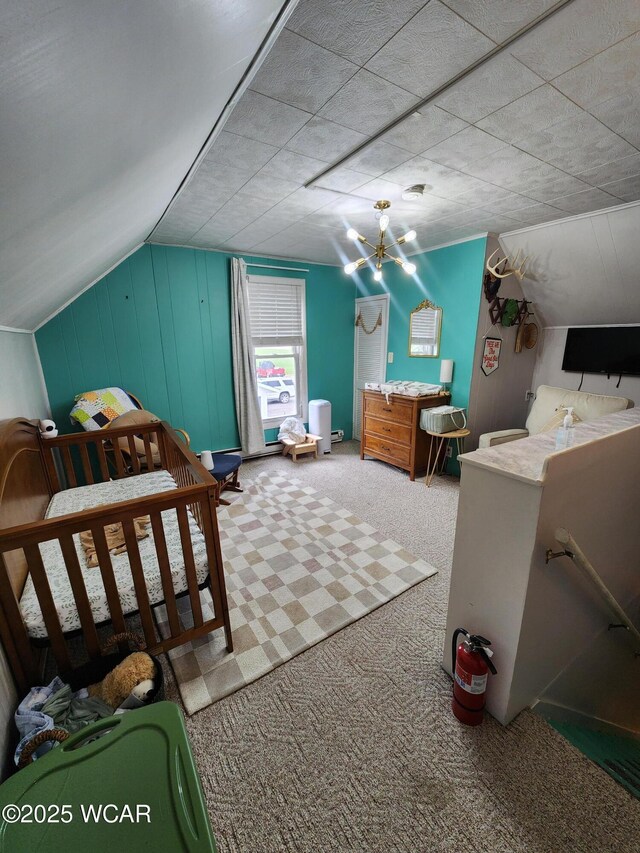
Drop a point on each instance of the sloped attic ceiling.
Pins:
(104, 107)
(546, 127)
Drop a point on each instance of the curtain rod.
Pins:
(268, 267)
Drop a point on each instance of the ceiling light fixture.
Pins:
(380, 250)
(413, 193)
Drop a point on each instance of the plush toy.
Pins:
(134, 675)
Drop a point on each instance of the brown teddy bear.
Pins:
(135, 674)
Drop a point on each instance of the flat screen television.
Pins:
(614, 350)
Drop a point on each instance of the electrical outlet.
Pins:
(529, 395)
(447, 452)
(389, 358)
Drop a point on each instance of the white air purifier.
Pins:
(320, 423)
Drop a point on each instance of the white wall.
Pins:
(498, 401)
(548, 370)
(22, 393)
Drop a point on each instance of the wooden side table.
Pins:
(458, 435)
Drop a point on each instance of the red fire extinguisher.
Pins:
(470, 665)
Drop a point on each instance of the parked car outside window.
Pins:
(281, 390)
(268, 368)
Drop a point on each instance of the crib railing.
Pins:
(196, 492)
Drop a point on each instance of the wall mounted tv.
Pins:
(614, 350)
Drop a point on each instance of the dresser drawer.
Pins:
(399, 453)
(388, 429)
(402, 413)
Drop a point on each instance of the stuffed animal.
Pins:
(134, 675)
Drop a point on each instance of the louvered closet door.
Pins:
(370, 350)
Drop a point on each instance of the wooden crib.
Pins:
(33, 471)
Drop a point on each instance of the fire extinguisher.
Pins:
(470, 665)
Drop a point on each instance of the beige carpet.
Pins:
(351, 747)
(298, 567)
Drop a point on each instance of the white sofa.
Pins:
(548, 400)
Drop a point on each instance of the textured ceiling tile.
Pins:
(513, 169)
(615, 171)
(495, 84)
(418, 170)
(512, 202)
(290, 166)
(378, 157)
(267, 187)
(464, 147)
(325, 139)
(465, 217)
(622, 115)
(585, 201)
(213, 177)
(486, 195)
(613, 72)
(576, 33)
(576, 144)
(494, 222)
(453, 184)
(367, 102)
(343, 180)
(298, 72)
(435, 45)
(229, 149)
(529, 114)
(354, 29)
(424, 129)
(553, 186)
(380, 188)
(537, 213)
(304, 201)
(627, 189)
(261, 229)
(265, 119)
(500, 19)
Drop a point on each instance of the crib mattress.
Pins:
(86, 497)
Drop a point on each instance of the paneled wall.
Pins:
(451, 278)
(159, 326)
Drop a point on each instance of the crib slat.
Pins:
(108, 579)
(50, 465)
(47, 605)
(137, 572)
(135, 462)
(148, 452)
(117, 454)
(189, 565)
(68, 466)
(102, 459)
(80, 594)
(16, 625)
(86, 464)
(214, 558)
(165, 573)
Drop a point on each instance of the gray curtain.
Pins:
(245, 381)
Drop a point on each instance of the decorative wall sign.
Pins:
(491, 355)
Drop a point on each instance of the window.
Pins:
(277, 308)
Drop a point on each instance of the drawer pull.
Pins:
(385, 409)
(386, 429)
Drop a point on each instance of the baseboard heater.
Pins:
(274, 447)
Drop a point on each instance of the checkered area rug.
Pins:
(299, 568)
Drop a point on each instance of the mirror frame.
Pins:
(426, 304)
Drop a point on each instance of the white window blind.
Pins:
(424, 329)
(276, 314)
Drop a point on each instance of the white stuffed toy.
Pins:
(293, 429)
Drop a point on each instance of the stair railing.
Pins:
(574, 552)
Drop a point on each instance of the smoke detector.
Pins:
(413, 193)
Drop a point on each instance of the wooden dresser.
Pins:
(391, 430)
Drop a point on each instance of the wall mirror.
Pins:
(425, 325)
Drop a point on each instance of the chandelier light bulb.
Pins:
(377, 275)
(352, 234)
(381, 249)
(384, 222)
(349, 268)
(409, 236)
(408, 267)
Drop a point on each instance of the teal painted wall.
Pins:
(159, 325)
(450, 277)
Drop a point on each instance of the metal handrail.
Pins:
(573, 550)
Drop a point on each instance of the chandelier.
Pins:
(380, 250)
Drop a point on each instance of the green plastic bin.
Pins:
(125, 783)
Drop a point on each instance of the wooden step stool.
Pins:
(309, 445)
